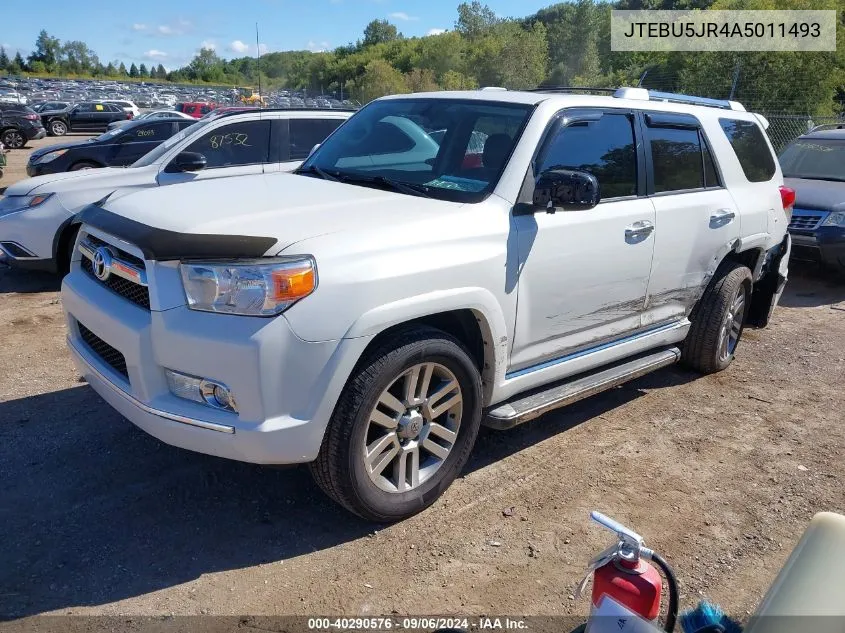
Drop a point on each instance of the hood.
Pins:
(68, 181)
(286, 207)
(52, 148)
(824, 195)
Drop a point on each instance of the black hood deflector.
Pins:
(161, 244)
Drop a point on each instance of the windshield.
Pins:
(447, 148)
(822, 159)
(161, 150)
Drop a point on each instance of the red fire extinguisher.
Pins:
(626, 587)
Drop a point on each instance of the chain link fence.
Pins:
(785, 128)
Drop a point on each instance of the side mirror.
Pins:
(570, 189)
(187, 161)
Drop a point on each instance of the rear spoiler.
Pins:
(763, 120)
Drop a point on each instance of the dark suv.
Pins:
(814, 166)
(89, 116)
(19, 124)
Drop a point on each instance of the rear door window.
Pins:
(243, 143)
(676, 158)
(751, 149)
(306, 133)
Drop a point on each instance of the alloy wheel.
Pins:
(413, 428)
(732, 325)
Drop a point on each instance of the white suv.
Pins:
(36, 216)
(443, 259)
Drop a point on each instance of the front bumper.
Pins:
(825, 245)
(36, 134)
(285, 387)
(36, 230)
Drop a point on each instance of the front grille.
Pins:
(805, 220)
(137, 294)
(106, 352)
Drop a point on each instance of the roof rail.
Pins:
(828, 126)
(574, 89)
(642, 94)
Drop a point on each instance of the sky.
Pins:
(171, 32)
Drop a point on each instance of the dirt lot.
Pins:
(721, 474)
(16, 169)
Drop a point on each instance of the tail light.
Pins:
(787, 197)
(31, 117)
(129, 115)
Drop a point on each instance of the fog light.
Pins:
(210, 392)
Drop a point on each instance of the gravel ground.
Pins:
(721, 474)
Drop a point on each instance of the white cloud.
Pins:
(435, 31)
(238, 47)
(164, 29)
(208, 44)
(155, 54)
(401, 15)
(262, 49)
(139, 27)
(318, 47)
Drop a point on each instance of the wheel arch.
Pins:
(473, 317)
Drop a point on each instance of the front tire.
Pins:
(58, 127)
(403, 427)
(83, 165)
(719, 320)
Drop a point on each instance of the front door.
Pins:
(584, 274)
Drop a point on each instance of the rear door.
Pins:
(82, 117)
(696, 217)
(303, 135)
(134, 143)
(233, 148)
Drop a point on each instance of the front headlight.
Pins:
(835, 219)
(14, 204)
(49, 156)
(264, 287)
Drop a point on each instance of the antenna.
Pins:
(258, 52)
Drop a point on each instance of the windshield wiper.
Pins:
(313, 169)
(402, 187)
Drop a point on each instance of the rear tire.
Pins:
(719, 320)
(386, 464)
(13, 139)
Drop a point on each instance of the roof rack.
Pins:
(642, 94)
(572, 89)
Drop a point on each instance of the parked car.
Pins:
(36, 229)
(118, 147)
(365, 313)
(19, 124)
(154, 115)
(814, 165)
(195, 109)
(126, 106)
(51, 106)
(88, 116)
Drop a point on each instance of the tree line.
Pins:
(564, 44)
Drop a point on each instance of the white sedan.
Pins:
(153, 114)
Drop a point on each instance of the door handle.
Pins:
(641, 229)
(721, 218)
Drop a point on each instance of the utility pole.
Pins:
(258, 51)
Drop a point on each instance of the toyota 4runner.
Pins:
(441, 261)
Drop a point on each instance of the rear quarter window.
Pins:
(750, 148)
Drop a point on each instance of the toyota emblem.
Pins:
(102, 263)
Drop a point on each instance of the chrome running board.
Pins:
(527, 407)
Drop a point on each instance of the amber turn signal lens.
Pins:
(293, 283)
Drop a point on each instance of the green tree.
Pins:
(18, 64)
(421, 80)
(161, 73)
(453, 80)
(38, 67)
(379, 79)
(77, 58)
(4, 59)
(133, 70)
(47, 50)
(142, 71)
(475, 18)
(379, 32)
(206, 66)
(510, 56)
